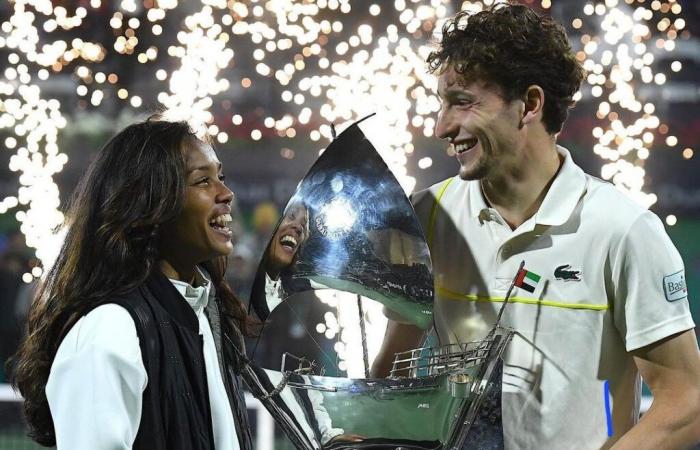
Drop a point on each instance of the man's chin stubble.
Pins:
(477, 173)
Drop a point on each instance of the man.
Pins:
(604, 297)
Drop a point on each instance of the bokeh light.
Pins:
(330, 71)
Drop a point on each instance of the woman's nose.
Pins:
(225, 195)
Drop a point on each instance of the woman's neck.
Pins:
(273, 274)
(184, 273)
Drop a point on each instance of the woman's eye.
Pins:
(203, 181)
(222, 178)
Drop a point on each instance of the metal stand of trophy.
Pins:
(350, 227)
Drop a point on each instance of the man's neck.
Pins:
(518, 194)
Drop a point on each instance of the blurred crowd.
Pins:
(16, 259)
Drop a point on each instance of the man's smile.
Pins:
(466, 145)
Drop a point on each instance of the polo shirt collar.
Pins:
(559, 202)
(477, 202)
(564, 194)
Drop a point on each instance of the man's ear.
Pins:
(534, 105)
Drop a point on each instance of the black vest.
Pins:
(176, 414)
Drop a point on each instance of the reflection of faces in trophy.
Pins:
(289, 237)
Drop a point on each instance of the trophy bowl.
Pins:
(349, 227)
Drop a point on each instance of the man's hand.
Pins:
(399, 337)
(671, 369)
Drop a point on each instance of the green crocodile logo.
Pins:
(563, 273)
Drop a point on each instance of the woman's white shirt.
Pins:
(96, 382)
(273, 292)
(95, 387)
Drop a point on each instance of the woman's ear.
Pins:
(534, 105)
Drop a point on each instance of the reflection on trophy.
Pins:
(281, 256)
(349, 227)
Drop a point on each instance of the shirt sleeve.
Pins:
(325, 424)
(650, 296)
(96, 383)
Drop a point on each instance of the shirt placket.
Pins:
(502, 269)
(500, 234)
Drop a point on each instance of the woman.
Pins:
(272, 283)
(134, 339)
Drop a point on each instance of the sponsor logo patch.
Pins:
(675, 287)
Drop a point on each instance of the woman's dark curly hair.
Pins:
(136, 183)
(513, 47)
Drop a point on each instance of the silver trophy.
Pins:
(350, 227)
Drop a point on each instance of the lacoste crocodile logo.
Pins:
(563, 273)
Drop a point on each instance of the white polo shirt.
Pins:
(610, 281)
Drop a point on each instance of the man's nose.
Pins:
(444, 129)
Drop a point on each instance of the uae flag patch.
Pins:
(527, 280)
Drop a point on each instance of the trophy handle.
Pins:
(283, 416)
(459, 434)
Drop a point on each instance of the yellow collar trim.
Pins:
(434, 210)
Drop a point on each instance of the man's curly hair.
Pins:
(513, 47)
